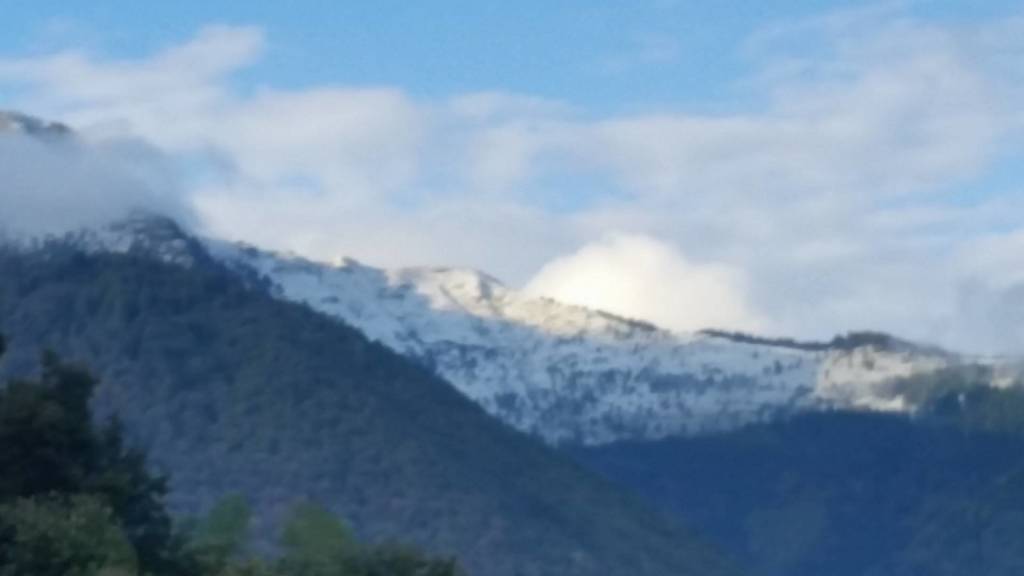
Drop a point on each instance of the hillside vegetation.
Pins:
(75, 501)
(232, 391)
(853, 494)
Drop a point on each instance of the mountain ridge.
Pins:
(17, 122)
(234, 391)
(564, 373)
(847, 493)
(570, 374)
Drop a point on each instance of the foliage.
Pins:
(849, 494)
(397, 560)
(231, 390)
(62, 536)
(57, 469)
(221, 538)
(75, 502)
(848, 341)
(315, 543)
(746, 338)
(977, 406)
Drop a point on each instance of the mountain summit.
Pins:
(234, 391)
(564, 373)
(571, 374)
(16, 122)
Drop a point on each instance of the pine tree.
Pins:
(51, 448)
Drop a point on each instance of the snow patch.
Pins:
(571, 374)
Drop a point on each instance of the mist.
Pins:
(804, 214)
(50, 186)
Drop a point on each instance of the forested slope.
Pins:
(230, 390)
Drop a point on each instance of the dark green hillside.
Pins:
(851, 494)
(231, 391)
(76, 501)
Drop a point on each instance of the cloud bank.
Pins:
(54, 186)
(642, 278)
(852, 189)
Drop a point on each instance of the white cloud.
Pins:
(639, 277)
(838, 198)
(364, 141)
(52, 188)
(993, 318)
(169, 94)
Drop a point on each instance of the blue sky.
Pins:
(790, 167)
(601, 55)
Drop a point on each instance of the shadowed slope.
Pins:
(231, 390)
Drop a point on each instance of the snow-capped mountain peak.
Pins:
(145, 234)
(562, 372)
(568, 373)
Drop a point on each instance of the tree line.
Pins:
(77, 500)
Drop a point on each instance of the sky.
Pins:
(798, 168)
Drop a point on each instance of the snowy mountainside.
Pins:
(565, 373)
(141, 234)
(569, 374)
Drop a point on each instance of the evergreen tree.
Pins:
(50, 448)
(76, 501)
(58, 536)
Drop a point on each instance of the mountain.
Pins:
(16, 122)
(577, 376)
(242, 370)
(849, 493)
(233, 390)
(567, 374)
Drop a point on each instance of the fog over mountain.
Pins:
(94, 177)
(866, 183)
(55, 182)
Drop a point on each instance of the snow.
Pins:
(144, 234)
(570, 374)
(564, 373)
